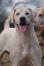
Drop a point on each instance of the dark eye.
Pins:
(17, 13)
(27, 13)
(40, 15)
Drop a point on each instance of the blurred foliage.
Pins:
(0, 1)
(5, 5)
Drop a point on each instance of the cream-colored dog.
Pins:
(40, 15)
(21, 42)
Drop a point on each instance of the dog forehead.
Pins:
(40, 10)
(23, 9)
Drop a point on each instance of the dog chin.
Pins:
(23, 28)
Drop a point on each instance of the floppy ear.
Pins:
(33, 15)
(11, 15)
(6, 25)
(10, 19)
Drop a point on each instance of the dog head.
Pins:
(23, 18)
(40, 15)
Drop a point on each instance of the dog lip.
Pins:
(23, 24)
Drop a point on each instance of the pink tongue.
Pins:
(23, 28)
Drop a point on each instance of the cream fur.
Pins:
(40, 15)
(23, 47)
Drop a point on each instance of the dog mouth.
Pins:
(23, 28)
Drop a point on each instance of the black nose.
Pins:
(22, 19)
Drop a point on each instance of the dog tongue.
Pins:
(23, 28)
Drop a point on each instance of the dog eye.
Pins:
(40, 15)
(27, 13)
(17, 13)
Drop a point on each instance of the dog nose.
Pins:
(22, 19)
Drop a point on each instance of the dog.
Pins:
(39, 29)
(40, 15)
(21, 42)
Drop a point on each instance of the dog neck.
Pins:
(25, 38)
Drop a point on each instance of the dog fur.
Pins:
(39, 29)
(23, 46)
(40, 15)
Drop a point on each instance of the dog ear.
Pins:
(10, 19)
(6, 25)
(11, 15)
(33, 15)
